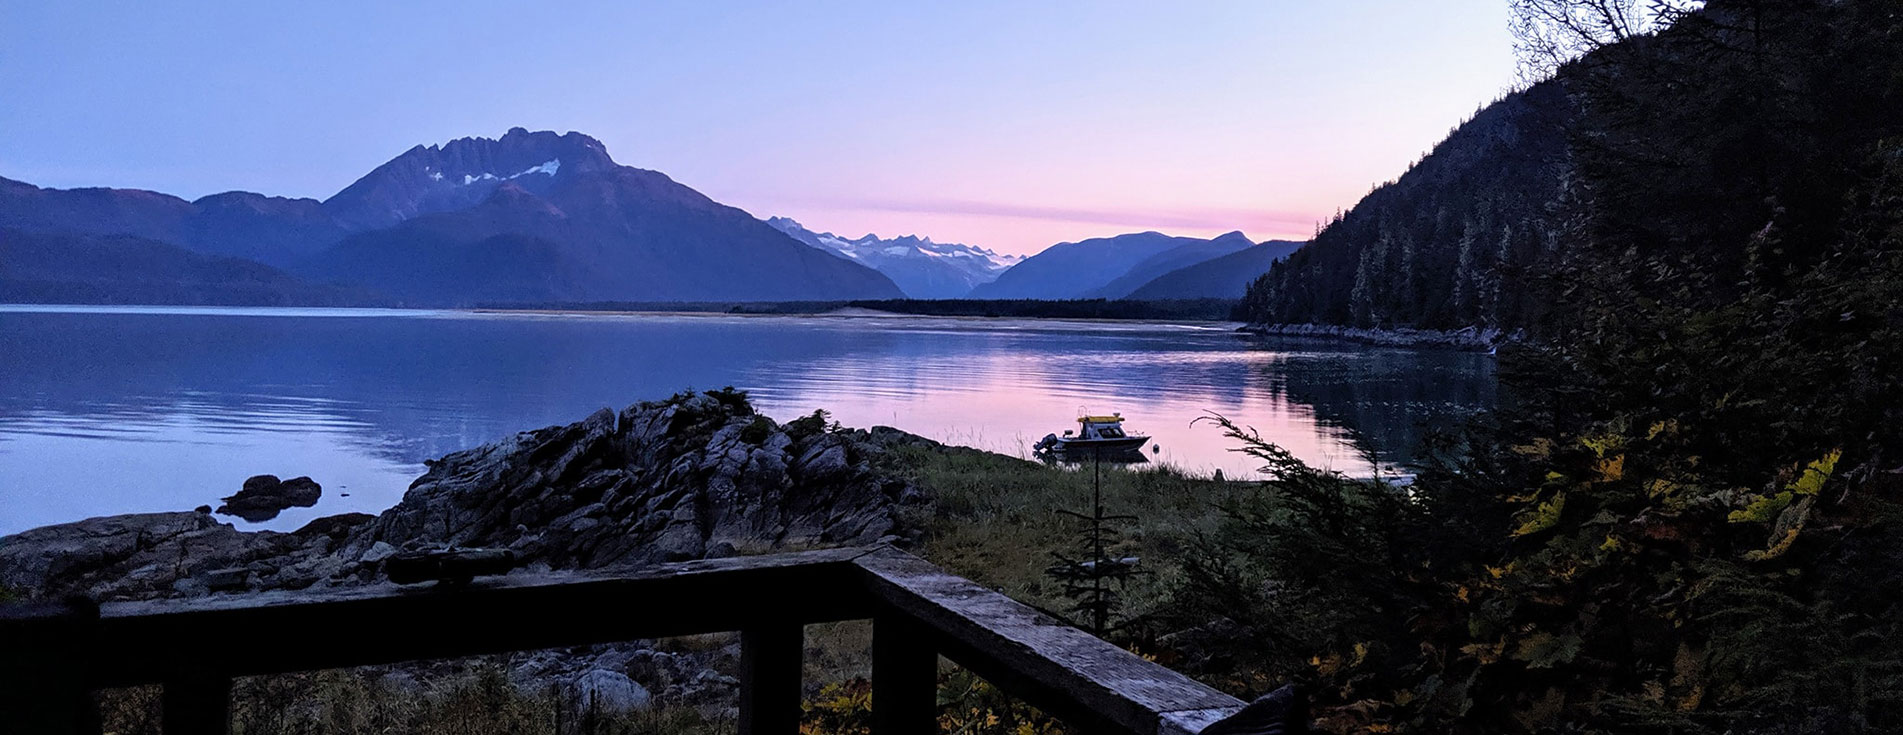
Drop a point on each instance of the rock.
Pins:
(128, 557)
(377, 552)
(229, 578)
(656, 482)
(336, 527)
(606, 691)
(264, 496)
(204, 509)
(824, 462)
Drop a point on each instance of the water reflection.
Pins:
(109, 410)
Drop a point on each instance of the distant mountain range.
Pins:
(543, 218)
(1224, 277)
(1106, 267)
(1181, 256)
(923, 269)
(530, 216)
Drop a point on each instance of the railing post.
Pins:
(904, 676)
(197, 703)
(770, 661)
(46, 651)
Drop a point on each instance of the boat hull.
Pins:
(1120, 444)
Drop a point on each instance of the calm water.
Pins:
(114, 410)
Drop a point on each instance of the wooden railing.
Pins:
(53, 656)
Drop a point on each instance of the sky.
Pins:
(1009, 125)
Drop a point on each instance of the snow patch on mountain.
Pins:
(547, 168)
(923, 269)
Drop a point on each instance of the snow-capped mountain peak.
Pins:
(924, 269)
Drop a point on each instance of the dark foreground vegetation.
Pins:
(1687, 519)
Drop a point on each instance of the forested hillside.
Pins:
(1678, 146)
(1443, 245)
(1687, 517)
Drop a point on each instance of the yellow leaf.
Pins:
(1542, 517)
(1761, 509)
(1611, 469)
(1361, 654)
(1611, 544)
(1814, 476)
(1604, 443)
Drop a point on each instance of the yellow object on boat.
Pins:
(1100, 419)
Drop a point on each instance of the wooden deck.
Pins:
(51, 656)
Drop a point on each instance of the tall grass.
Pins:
(996, 521)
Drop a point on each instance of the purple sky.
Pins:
(1007, 125)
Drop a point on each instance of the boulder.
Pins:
(264, 496)
(603, 691)
(336, 527)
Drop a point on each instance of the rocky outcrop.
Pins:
(264, 496)
(694, 476)
(140, 555)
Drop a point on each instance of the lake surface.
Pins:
(109, 410)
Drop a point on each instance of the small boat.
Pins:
(1102, 434)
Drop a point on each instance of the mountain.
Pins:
(94, 211)
(38, 268)
(1180, 256)
(462, 173)
(274, 230)
(546, 217)
(506, 248)
(271, 230)
(1075, 270)
(530, 216)
(1225, 277)
(923, 269)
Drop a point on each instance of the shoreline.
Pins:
(1468, 339)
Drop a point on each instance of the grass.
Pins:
(996, 520)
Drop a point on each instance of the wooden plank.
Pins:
(904, 676)
(196, 703)
(770, 669)
(317, 629)
(920, 611)
(1066, 672)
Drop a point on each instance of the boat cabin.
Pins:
(1100, 427)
